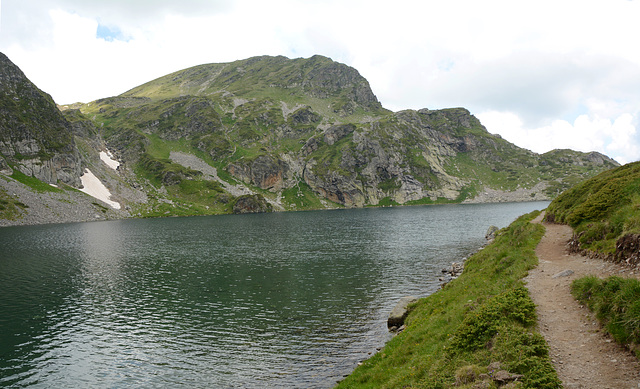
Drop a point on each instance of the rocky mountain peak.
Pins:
(306, 80)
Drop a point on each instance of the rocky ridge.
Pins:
(34, 136)
(292, 134)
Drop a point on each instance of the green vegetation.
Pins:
(10, 207)
(29, 114)
(301, 197)
(387, 202)
(277, 117)
(616, 302)
(389, 185)
(188, 193)
(604, 212)
(482, 317)
(270, 78)
(33, 182)
(602, 209)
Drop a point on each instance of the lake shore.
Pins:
(478, 329)
(56, 206)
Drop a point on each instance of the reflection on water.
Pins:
(287, 299)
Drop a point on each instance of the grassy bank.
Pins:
(616, 303)
(478, 325)
(602, 210)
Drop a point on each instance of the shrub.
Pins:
(616, 303)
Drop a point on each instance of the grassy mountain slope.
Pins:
(312, 129)
(300, 133)
(604, 212)
(329, 87)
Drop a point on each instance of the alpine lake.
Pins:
(274, 300)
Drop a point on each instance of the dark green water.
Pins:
(271, 300)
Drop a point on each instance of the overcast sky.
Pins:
(543, 74)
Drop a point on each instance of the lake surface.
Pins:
(271, 300)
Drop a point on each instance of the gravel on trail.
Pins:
(584, 355)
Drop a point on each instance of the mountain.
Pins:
(282, 134)
(35, 138)
(41, 157)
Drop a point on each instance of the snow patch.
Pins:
(95, 188)
(107, 158)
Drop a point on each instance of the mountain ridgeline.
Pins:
(275, 133)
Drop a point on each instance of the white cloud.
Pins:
(617, 139)
(546, 62)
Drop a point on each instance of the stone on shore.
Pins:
(400, 312)
(491, 233)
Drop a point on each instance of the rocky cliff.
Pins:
(34, 136)
(274, 124)
(296, 133)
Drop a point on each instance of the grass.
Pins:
(616, 303)
(602, 209)
(604, 212)
(482, 317)
(232, 113)
(33, 182)
(10, 207)
(301, 197)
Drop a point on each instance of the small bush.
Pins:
(479, 327)
(467, 374)
(616, 303)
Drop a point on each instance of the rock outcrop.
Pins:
(274, 123)
(35, 138)
(305, 133)
(251, 204)
(491, 233)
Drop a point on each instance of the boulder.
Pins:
(251, 204)
(400, 311)
(491, 233)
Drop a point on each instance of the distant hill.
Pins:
(298, 133)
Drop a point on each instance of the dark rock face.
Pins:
(305, 116)
(251, 204)
(184, 118)
(491, 233)
(330, 79)
(264, 172)
(335, 133)
(34, 136)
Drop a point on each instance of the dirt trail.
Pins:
(583, 354)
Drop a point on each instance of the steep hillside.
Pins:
(310, 133)
(330, 88)
(35, 139)
(605, 213)
(265, 133)
(43, 156)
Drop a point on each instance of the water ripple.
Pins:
(281, 300)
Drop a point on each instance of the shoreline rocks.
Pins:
(399, 313)
(491, 233)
